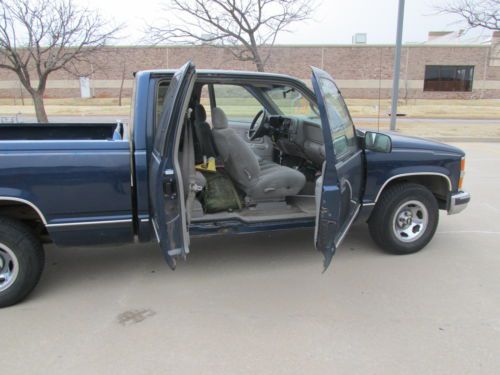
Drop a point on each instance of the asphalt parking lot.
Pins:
(259, 304)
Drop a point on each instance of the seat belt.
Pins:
(189, 166)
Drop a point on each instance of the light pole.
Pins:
(397, 64)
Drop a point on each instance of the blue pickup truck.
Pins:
(213, 152)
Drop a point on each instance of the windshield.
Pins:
(291, 102)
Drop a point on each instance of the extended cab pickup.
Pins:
(209, 152)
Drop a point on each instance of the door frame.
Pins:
(165, 151)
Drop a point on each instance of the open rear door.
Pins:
(338, 190)
(165, 180)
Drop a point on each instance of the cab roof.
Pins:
(221, 73)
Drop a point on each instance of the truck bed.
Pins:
(60, 132)
(77, 176)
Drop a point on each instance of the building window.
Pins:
(448, 78)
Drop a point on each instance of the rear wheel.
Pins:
(405, 218)
(21, 261)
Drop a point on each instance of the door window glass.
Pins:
(342, 128)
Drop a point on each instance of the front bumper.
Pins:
(458, 202)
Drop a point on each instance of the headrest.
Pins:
(200, 114)
(219, 119)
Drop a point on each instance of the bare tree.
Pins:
(39, 37)
(122, 82)
(477, 13)
(241, 26)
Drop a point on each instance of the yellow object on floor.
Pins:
(207, 165)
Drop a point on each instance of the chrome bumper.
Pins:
(458, 202)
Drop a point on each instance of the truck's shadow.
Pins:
(67, 267)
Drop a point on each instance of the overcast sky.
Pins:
(334, 22)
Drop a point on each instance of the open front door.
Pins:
(338, 190)
(165, 180)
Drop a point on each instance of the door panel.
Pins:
(338, 190)
(165, 179)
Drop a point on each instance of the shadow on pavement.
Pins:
(68, 267)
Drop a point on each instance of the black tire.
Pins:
(20, 245)
(382, 225)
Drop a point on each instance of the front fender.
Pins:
(384, 168)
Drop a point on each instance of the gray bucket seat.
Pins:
(259, 180)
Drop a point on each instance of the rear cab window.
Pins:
(161, 91)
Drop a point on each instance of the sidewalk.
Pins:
(446, 130)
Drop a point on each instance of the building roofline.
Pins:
(405, 45)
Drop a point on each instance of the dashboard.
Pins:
(298, 136)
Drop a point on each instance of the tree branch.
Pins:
(242, 26)
(43, 36)
(476, 13)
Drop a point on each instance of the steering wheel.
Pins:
(257, 129)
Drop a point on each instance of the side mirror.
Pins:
(378, 142)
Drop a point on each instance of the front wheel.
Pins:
(21, 261)
(405, 218)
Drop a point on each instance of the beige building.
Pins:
(448, 65)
